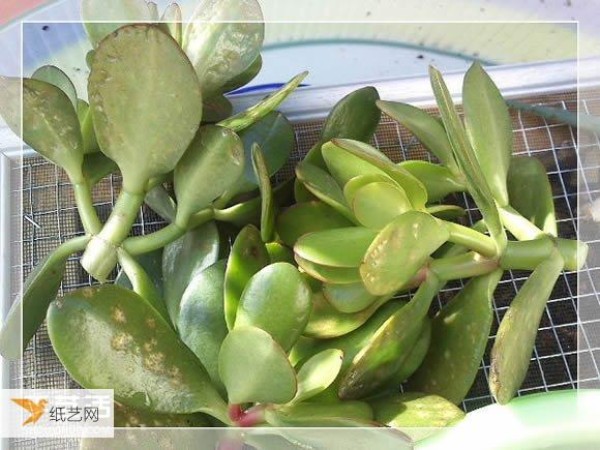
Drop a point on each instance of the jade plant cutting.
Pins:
(263, 303)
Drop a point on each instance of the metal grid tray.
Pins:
(50, 217)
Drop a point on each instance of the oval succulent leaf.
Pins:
(248, 256)
(400, 250)
(276, 138)
(278, 301)
(414, 188)
(201, 323)
(515, 339)
(253, 114)
(107, 337)
(51, 126)
(216, 108)
(96, 166)
(183, 259)
(254, 368)
(348, 298)
(460, 333)
(329, 274)
(41, 287)
(324, 187)
(146, 131)
(446, 212)
(489, 129)
(355, 116)
(267, 210)
(56, 77)
(415, 356)
(318, 373)
(438, 180)
(530, 193)
(161, 202)
(311, 414)
(340, 247)
(354, 184)
(214, 160)
(223, 39)
(344, 166)
(389, 346)
(308, 217)
(327, 322)
(377, 204)
(429, 130)
(90, 143)
(101, 18)
(245, 77)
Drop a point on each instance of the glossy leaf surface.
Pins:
(377, 204)
(56, 77)
(254, 368)
(318, 373)
(339, 247)
(329, 274)
(267, 210)
(348, 298)
(438, 180)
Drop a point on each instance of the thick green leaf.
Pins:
(275, 135)
(414, 411)
(446, 212)
(183, 259)
(489, 129)
(415, 356)
(161, 202)
(324, 187)
(530, 193)
(151, 263)
(318, 373)
(344, 166)
(400, 250)
(280, 253)
(222, 40)
(147, 130)
(245, 77)
(255, 113)
(339, 247)
(348, 298)
(414, 188)
(90, 144)
(467, 160)
(254, 368)
(108, 338)
(126, 416)
(387, 350)
(277, 300)
(56, 77)
(321, 415)
(101, 18)
(355, 116)
(354, 184)
(438, 180)
(215, 161)
(308, 217)
(201, 324)
(329, 274)
(96, 166)
(40, 289)
(460, 335)
(515, 339)
(134, 277)
(377, 204)
(425, 127)
(248, 256)
(267, 210)
(327, 322)
(51, 126)
(172, 21)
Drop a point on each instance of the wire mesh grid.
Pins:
(50, 217)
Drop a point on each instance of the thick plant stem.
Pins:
(85, 205)
(462, 266)
(100, 256)
(150, 242)
(472, 239)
